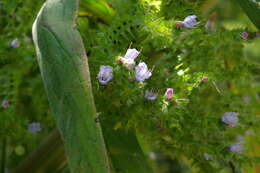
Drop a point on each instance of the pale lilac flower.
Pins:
(131, 54)
(149, 95)
(237, 147)
(169, 93)
(105, 74)
(244, 35)
(34, 127)
(230, 118)
(207, 156)
(190, 21)
(15, 43)
(5, 104)
(142, 72)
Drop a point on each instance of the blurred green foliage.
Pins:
(20, 80)
(185, 131)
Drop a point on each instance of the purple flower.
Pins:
(174, 103)
(149, 95)
(105, 74)
(190, 21)
(230, 118)
(142, 72)
(237, 147)
(34, 127)
(5, 104)
(244, 35)
(15, 43)
(169, 93)
(131, 54)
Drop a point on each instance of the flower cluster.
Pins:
(141, 70)
(142, 73)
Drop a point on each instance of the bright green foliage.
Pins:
(180, 8)
(193, 127)
(98, 8)
(20, 81)
(185, 131)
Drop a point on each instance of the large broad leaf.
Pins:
(252, 9)
(64, 68)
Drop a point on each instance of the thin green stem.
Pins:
(3, 156)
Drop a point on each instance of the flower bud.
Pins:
(169, 93)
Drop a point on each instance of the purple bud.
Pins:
(244, 35)
(174, 103)
(179, 25)
(149, 95)
(120, 59)
(34, 127)
(205, 79)
(230, 118)
(131, 79)
(142, 72)
(237, 147)
(15, 43)
(5, 104)
(105, 74)
(190, 21)
(169, 93)
(131, 54)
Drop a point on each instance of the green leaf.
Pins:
(252, 9)
(99, 8)
(64, 68)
